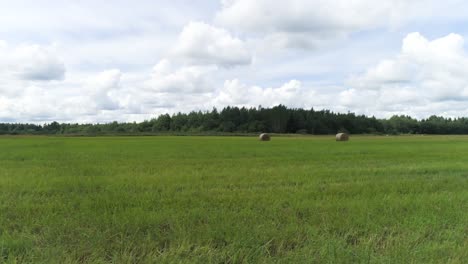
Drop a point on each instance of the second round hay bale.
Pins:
(264, 137)
(342, 137)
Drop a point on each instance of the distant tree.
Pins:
(163, 123)
(278, 119)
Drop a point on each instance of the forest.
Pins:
(278, 119)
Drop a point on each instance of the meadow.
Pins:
(169, 199)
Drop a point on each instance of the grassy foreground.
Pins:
(234, 200)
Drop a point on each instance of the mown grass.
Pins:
(234, 200)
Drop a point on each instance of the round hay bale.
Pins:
(342, 137)
(264, 137)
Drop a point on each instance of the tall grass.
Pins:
(234, 200)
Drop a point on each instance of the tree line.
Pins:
(278, 119)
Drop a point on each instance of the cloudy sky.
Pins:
(99, 61)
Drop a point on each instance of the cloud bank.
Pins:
(96, 62)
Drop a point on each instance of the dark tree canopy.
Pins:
(278, 119)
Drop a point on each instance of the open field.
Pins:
(234, 200)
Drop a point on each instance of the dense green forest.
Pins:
(278, 119)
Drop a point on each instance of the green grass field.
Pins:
(234, 200)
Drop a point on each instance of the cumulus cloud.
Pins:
(204, 59)
(291, 93)
(167, 78)
(302, 23)
(83, 100)
(306, 24)
(38, 104)
(423, 74)
(203, 44)
(32, 62)
(103, 85)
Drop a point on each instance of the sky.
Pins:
(100, 61)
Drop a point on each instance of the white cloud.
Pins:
(31, 62)
(83, 100)
(303, 23)
(309, 24)
(423, 74)
(166, 78)
(203, 44)
(242, 52)
(38, 104)
(103, 85)
(291, 93)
